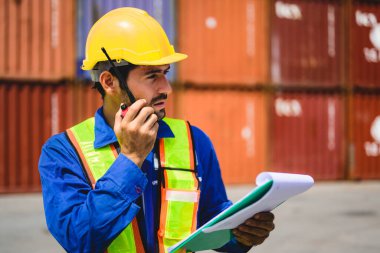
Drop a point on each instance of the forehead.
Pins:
(150, 69)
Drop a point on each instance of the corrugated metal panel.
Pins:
(90, 11)
(37, 39)
(365, 122)
(25, 125)
(74, 102)
(236, 124)
(365, 44)
(29, 114)
(226, 41)
(308, 134)
(307, 43)
(3, 134)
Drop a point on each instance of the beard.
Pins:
(161, 113)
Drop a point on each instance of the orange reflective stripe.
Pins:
(192, 165)
(195, 210)
(136, 233)
(73, 140)
(161, 230)
(163, 213)
(162, 152)
(114, 151)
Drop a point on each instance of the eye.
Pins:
(166, 71)
(152, 76)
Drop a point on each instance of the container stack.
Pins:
(220, 85)
(281, 85)
(364, 106)
(307, 115)
(36, 54)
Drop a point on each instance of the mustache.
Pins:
(162, 96)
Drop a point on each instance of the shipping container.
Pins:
(73, 103)
(25, 123)
(32, 112)
(89, 11)
(307, 43)
(365, 44)
(226, 41)
(365, 135)
(307, 134)
(37, 39)
(236, 123)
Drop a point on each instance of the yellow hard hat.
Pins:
(132, 35)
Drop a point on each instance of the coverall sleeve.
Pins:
(213, 199)
(80, 218)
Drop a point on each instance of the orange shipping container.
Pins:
(236, 123)
(226, 41)
(365, 123)
(37, 39)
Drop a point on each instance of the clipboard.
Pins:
(272, 190)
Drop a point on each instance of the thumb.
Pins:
(118, 119)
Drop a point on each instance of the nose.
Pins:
(164, 86)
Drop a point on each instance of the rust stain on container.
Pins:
(38, 39)
(226, 41)
(236, 123)
(365, 122)
(307, 43)
(365, 44)
(307, 134)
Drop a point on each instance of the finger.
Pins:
(265, 216)
(266, 225)
(247, 239)
(134, 109)
(118, 119)
(151, 121)
(254, 231)
(143, 115)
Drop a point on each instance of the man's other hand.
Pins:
(255, 230)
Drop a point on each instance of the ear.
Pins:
(108, 82)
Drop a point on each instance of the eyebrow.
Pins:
(156, 70)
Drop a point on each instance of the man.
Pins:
(129, 179)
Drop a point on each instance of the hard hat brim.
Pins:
(176, 57)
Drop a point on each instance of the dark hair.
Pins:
(124, 70)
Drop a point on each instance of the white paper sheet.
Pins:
(284, 186)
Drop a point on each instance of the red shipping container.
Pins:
(37, 39)
(29, 114)
(365, 135)
(226, 41)
(236, 123)
(365, 44)
(25, 123)
(307, 43)
(307, 134)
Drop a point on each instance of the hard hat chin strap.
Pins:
(119, 76)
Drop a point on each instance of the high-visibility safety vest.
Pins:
(179, 183)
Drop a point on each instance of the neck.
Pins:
(109, 111)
